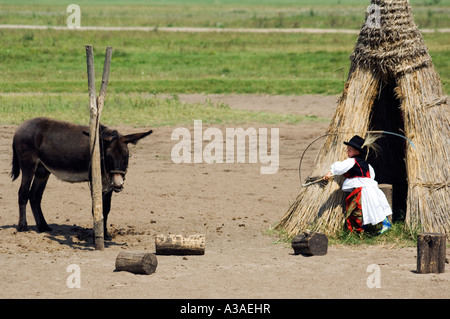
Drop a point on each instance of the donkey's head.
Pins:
(115, 154)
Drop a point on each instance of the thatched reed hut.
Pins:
(392, 86)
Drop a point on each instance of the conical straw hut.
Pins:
(392, 86)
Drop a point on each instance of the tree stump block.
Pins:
(136, 262)
(388, 192)
(431, 253)
(180, 245)
(310, 244)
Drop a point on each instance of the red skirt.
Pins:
(353, 209)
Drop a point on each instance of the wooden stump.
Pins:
(180, 245)
(431, 253)
(310, 244)
(387, 189)
(136, 262)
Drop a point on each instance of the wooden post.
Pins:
(431, 253)
(136, 262)
(105, 78)
(96, 107)
(180, 245)
(96, 177)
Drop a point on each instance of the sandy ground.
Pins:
(232, 204)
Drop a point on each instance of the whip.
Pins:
(317, 181)
(318, 138)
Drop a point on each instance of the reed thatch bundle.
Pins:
(427, 122)
(392, 53)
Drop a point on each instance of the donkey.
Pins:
(44, 146)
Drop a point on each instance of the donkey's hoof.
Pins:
(44, 229)
(22, 228)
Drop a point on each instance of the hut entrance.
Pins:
(389, 165)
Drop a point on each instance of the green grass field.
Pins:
(132, 109)
(54, 61)
(215, 13)
(159, 62)
(156, 62)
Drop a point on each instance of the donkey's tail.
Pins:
(15, 171)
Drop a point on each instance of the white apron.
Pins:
(374, 204)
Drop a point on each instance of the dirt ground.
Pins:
(232, 204)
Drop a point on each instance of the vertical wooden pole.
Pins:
(96, 176)
(105, 78)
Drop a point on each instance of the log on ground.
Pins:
(180, 245)
(137, 262)
(310, 244)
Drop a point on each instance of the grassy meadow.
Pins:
(159, 62)
(345, 14)
(52, 62)
(133, 109)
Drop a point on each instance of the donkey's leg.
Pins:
(24, 190)
(37, 189)
(106, 208)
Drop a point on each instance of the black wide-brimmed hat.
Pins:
(357, 143)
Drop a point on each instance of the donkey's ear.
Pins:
(108, 135)
(102, 131)
(134, 138)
